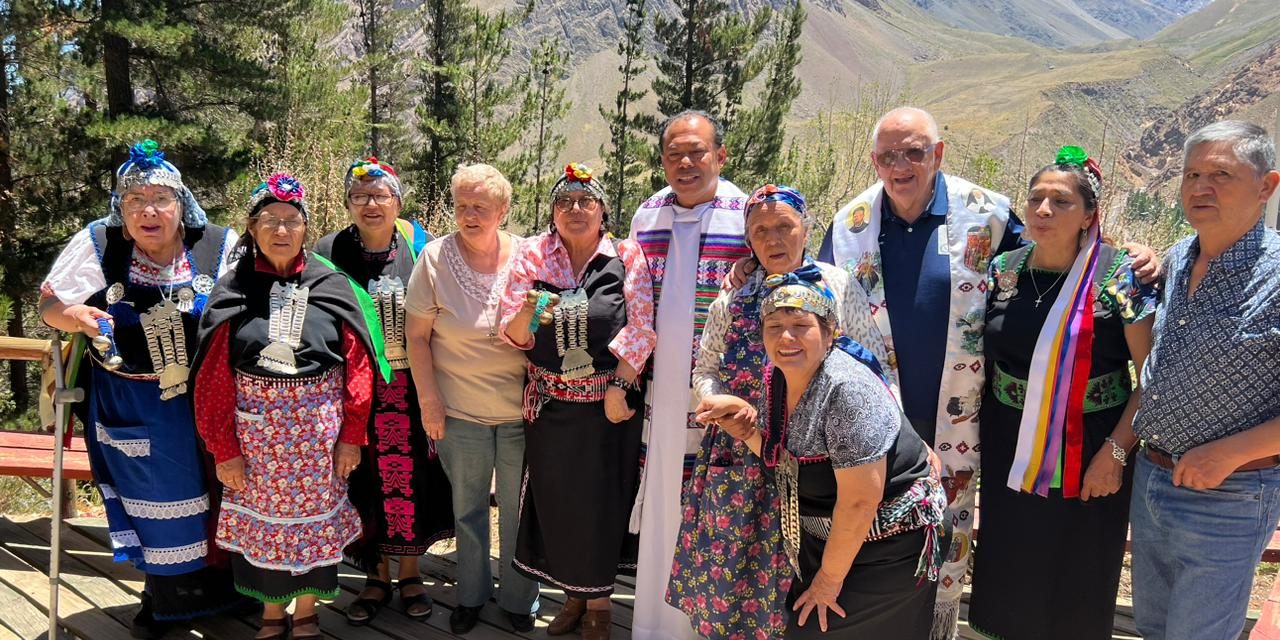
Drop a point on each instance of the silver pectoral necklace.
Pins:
(571, 334)
(167, 345)
(284, 328)
(388, 296)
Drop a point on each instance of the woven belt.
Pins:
(1106, 391)
(543, 385)
(1167, 460)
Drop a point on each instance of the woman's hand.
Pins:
(615, 405)
(738, 274)
(531, 306)
(346, 457)
(1104, 475)
(86, 318)
(432, 408)
(733, 414)
(820, 595)
(231, 473)
(1146, 264)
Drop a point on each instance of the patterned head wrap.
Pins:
(146, 166)
(372, 168)
(799, 289)
(280, 187)
(577, 177)
(1073, 156)
(778, 193)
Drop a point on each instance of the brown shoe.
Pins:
(568, 618)
(595, 625)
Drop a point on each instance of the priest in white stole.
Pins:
(692, 233)
(919, 242)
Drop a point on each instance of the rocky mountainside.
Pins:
(1063, 23)
(1251, 93)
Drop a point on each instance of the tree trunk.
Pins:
(115, 63)
(19, 389)
(371, 52)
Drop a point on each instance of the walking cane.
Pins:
(62, 396)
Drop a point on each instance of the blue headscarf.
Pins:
(146, 166)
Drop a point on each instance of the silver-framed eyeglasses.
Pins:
(138, 203)
(271, 223)
(361, 199)
(914, 155)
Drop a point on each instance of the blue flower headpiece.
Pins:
(372, 168)
(146, 166)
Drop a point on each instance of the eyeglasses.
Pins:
(586, 203)
(361, 199)
(272, 223)
(138, 204)
(914, 155)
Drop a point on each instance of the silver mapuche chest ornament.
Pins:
(787, 478)
(284, 328)
(571, 334)
(388, 297)
(167, 345)
(115, 293)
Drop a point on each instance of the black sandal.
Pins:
(369, 606)
(410, 601)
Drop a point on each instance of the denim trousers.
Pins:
(1195, 552)
(471, 454)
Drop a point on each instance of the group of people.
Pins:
(705, 404)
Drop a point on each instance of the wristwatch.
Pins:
(1118, 452)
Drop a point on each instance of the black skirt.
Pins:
(882, 597)
(1046, 568)
(581, 476)
(281, 587)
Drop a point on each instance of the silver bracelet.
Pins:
(1118, 452)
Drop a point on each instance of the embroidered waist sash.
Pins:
(921, 506)
(542, 385)
(1106, 391)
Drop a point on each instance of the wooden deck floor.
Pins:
(99, 596)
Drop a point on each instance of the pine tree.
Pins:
(707, 56)
(315, 136)
(380, 28)
(534, 167)
(757, 135)
(628, 156)
(438, 111)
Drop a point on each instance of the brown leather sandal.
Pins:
(302, 622)
(595, 624)
(569, 618)
(275, 623)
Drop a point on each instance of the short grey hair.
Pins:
(1251, 143)
(931, 123)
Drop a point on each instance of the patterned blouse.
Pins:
(1214, 366)
(723, 351)
(846, 414)
(545, 258)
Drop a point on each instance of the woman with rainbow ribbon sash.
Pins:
(1065, 316)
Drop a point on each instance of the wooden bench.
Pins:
(30, 455)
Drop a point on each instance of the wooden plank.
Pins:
(90, 569)
(32, 440)
(21, 617)
(492, 624)
(5, 633)
(23, 348)
(76, 615)
(39, 464)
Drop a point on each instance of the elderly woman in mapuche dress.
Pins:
(469, 384)
(728, 486)
(399, 488)
(137, 282)
(581, 306)
(284, 378)
(1065, 316)
(861, 506)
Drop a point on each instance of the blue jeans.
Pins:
(1195, 552)
(471, 453)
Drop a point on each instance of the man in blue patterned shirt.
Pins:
(1206, 492)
